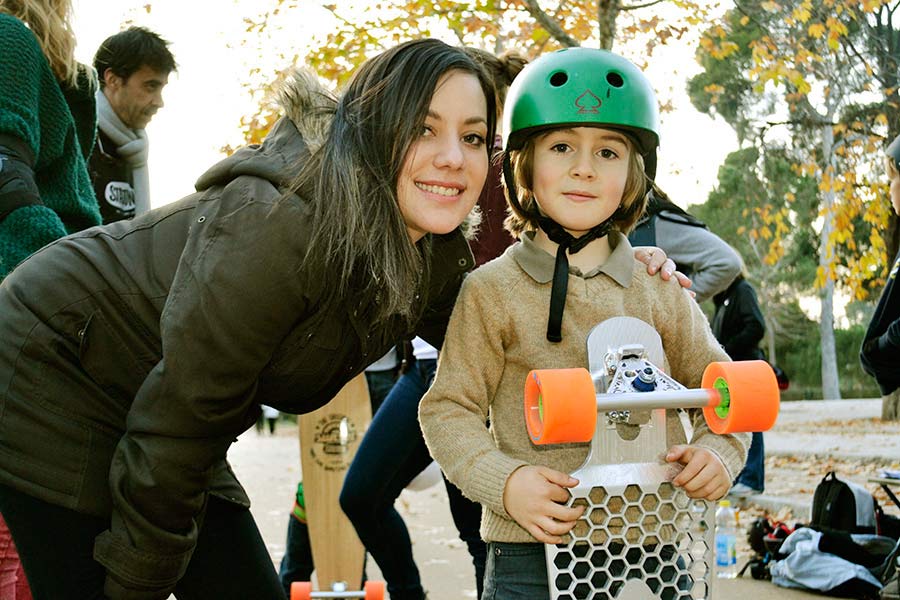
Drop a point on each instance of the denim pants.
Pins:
(753, 475)
(390, 455)
(519, 572)
(56, 545)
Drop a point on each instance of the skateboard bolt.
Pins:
(645, 381)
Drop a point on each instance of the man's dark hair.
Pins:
(129, 50)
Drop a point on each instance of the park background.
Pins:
(774, 119)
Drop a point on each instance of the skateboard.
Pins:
(640, 537)
(329, 438)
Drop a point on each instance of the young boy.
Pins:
(881, 346)
(578, 125)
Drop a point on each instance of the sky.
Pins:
(205, 99)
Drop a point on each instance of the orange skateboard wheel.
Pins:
(301, 590)
(374, 590)
(749, 398)
(560, 406)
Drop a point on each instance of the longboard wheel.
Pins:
(749, 396)
(301, 590)
(374, 590)
(560, 406)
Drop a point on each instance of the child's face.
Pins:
(580, 175)
(895, 192)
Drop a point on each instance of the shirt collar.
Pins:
(538, 264)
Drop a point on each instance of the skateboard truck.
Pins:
(639, 537)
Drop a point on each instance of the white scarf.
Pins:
(132, 145)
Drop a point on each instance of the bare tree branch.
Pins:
(552, 27)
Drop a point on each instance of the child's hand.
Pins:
(704, 476)
(533, 497)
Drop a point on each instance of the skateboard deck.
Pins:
(329, 439)
(640, 537)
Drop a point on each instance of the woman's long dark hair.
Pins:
(360, 236)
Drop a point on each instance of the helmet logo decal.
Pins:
(588, 103)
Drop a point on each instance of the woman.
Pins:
(47, 129)
(154, 341)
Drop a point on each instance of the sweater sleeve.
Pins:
(25, 231)
(712, 262)
(690, 346)
(454, 412)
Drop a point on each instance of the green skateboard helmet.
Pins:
(577, 87)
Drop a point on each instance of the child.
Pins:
(881, 346)
(578, 124)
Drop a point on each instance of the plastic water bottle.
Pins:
(726, 541)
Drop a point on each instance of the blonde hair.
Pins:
(49, 20)
(634, 196)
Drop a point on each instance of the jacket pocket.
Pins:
(116, 353)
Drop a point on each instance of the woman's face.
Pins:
(446, 166)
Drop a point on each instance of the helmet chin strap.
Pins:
(566, 242)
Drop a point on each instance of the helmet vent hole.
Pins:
(615, 80)
(558, 79)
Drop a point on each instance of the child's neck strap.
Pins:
(566, 242)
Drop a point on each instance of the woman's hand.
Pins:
(535, 497)
(656, 260)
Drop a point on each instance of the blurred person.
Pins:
(133, 67)
(880, 353)
(47, 128)
(699, 253)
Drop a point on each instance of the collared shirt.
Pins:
(539, 264)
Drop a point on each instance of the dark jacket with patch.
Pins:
(111, 176)
(134, 353)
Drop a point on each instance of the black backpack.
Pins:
(843, 506)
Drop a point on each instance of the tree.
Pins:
(795, 70)
(364, 29)
(765, 211)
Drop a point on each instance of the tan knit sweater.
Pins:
(497, 334)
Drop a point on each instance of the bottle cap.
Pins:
(725, 503)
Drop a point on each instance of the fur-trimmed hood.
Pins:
(308, 108)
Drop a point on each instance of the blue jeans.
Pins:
(519, 572)
(753, 475)
(390, 455)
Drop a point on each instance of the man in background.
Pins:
(133, 67)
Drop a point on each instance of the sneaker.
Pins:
(741, 490)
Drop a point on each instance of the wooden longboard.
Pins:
(329, 438)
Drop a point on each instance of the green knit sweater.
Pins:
(59, 126)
